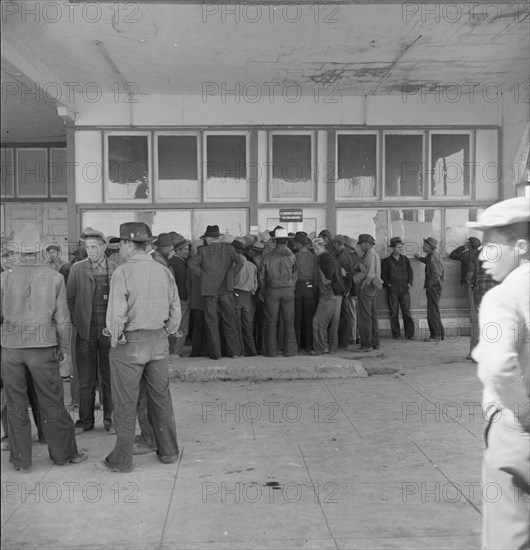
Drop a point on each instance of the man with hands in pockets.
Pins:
(144, 308)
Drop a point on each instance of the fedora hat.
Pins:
(281, 233)
(349, 242)
(211, 231)
(164, 239)
(366, 238)
(394, 241)
(180, 241)
(431, 241)
(137, 232)
(301, 237)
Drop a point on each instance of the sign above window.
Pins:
(291, 215)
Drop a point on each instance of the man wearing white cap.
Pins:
(503, 356)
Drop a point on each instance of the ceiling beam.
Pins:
(52, 89)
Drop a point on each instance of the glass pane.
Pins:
(226, 170)
(177, 168)
(456, 232)
(450, 169)
(291, 167)
(353, 222)
(357, 166)
(128, 166)
(403, 166)
(231, 222)
(488, 171)
(414, 225)
(7, 173)
(32, 172)
(58, 172)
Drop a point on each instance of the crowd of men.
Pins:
(132, 300)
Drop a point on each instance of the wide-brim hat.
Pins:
(165, 239)
(431, 241)
(366, 238)
(281, 233)
(137, 232)
(211, 231)
(394, 241)
(339, 239)
(112, 240)
(349, 242)
(180, 241)
(260, 247)
(301, 237)
(503, 213)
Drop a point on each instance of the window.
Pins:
(353, 222)
(356, 166)
(177, 168)
(226, 167)
(58, 172)
(7, 173)
(32, 172)
(450, 170)
(127, 167)
(404, 172)
(413, 225)
(291, 163)
(456, 232)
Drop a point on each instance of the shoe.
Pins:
(376, 347)
(432, 340)
(107, 424)
(168, 459)
(23, 469)
(140, 449)
(75, 459)
(106, 467)
(396, 337)
(411, 337)
(364, 350)
(5, 444)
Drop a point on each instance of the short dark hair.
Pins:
(140, 245)
(281, 240)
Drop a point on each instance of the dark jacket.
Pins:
(469, 262)
(216, 264)
(79, 294)
(397, 273)
(330, 268)
(180, 270)
(434, 271)
(277, 269)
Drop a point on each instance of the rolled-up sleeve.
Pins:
(175, 313)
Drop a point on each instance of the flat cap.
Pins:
(503, 213)
(365, 238)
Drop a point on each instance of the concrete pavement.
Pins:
(372, 461)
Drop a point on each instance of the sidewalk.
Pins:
(366, 462)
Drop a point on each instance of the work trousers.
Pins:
(400, 298)
(198, 335)
(179, 342)
(367, 319)
(346, 321)
(326, 324)
(279, 301)
(57, 424)
(223, 305)
(144, 356)
(93, 364)
(245, 319)
(147, 436)
(506, 476)
(304, 309)
(434, 319)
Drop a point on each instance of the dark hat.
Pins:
(165, 239)
(179, 241)
(326, 234)
(211, 231)
(258, 246)
(339, 239)
(349, 242)
(137, 232)
(112, 239)
(239, 243)
(301, 237)
(431, 241)
(365, 238)
(94, 233)
(474, 242)
(53, 246)
(503, 213)
(280, 233)
(394, 241)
